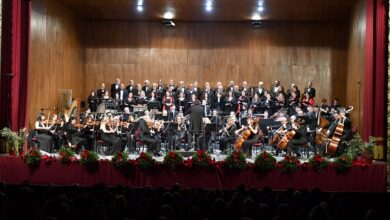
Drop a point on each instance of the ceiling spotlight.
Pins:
(260, 8)
(209, 5)
(140, 5)
(169, 23)
(256, 24)
(168, 15)
(256, 17)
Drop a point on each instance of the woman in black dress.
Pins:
(43, 129)
(92, 102)
(108, 135)
(255, 134)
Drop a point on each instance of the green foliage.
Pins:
(356, 146)
(235, 160)
(265, 162)
(173, 159)
(145, 161)
(13, 139)
(67, 155)
(120, 160)
(342, 163)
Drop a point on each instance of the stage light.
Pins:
(140, 5)
(256, 17)
(260, 9)
(168, 15)
(169, 23)
(209, 5)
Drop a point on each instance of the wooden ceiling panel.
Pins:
(222, 10)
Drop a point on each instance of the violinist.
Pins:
(108, 135)
(255, 134)
(228, 133)
(148, 135)
(57, 131)
(299, 138)
(72, 134)
(181, 132)
(42, 133)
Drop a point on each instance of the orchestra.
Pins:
(189, 118)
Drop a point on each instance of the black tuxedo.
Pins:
(114, 89)
(125, 94)
(100, 93)
(312, 92)
(131, 88)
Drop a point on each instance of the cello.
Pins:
(321, 134)
(244, 136)
(288, 136)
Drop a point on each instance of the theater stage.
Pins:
(13, 170)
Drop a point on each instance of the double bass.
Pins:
(321, 136)
(338, 132)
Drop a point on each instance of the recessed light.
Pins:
(168, 15)
(209, 5)
(140, 8)
(260, 8)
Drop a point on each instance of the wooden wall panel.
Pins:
(219, 51)
(356, 60)
(56, 56)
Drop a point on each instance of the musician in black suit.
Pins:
(100, 92)
(260, 89)
(309, 89)
(123, 93)
(228, 134)
(115, 87)
(196, 120)
(131, 88)
(299, 138)
(147, 134)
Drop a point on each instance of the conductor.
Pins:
(196, 123)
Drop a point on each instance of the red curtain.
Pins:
(14, 65)
(375, 69)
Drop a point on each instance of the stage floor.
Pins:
(372, 178)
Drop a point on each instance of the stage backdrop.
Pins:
(56, 56)
(220, 51)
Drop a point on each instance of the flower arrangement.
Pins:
(201, 159)
(265, 162)
(120, 160)
(318, 163)
(172, 159)
(32, 157)
(145, 161)
(67, 155)
(342, 163)
(289, 164)
(89, 157)
(48, 159)
(235, 160)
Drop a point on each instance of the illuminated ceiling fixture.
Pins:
(256, 17)
(260, 6)
(140, 6)
(168, 15)
(209, 5)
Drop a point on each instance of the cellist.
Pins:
(255, 134)
(299, 138)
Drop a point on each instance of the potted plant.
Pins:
(11, 141)
(357, 147)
